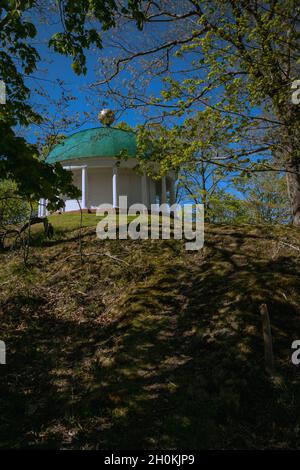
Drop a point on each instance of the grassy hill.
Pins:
(145, 345)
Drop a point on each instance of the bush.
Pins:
(13, 209)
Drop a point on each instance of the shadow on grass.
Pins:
(180, 365)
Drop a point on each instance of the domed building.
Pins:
(104, 166)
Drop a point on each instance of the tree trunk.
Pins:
(290, 146)
(293, 187)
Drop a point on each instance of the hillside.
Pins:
(145, 345)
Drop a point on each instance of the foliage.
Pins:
(265, 198)
(226, 208)
(20, 162)
(243, 59)
(239, 60)
(18, 59)
(261, 199)
(255, 68)
(207, 173)
(13, 209)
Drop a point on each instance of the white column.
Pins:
(145, 190)
(115, 186)
(42, 207)
(83, 187)
(163, 190)
(46, 212)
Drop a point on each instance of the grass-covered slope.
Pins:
(148, 346)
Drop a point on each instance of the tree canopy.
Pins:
(233, 63)
(19, 58)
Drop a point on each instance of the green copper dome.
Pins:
(96, 142)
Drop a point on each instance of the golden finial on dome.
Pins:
(106, 117)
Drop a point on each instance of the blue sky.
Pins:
(54, 67)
